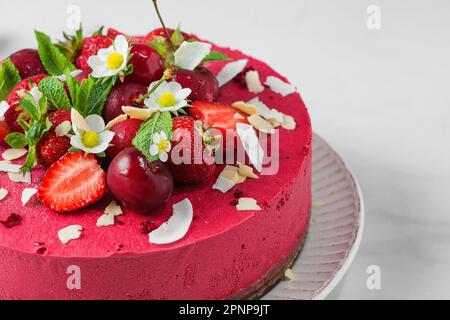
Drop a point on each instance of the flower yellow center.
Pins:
(167, 100)
(114, 61)
(90, 139)
(163, 145)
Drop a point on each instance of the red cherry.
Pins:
(202, 82)
(28, 62)
(124, 94)
(147, 65)
(161, 33)
(138, 185)
(4, 131)
(125, 132)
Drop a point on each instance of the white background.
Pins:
(380, 97)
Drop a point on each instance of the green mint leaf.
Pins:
(71, 46)
(9, 78)
(159, 122)
(54, 61)
(74, 87)
(216, 56)
(31, 160)
(99, 94)
(54, 91)
(16, 140)
(31, 107)
(177, 37)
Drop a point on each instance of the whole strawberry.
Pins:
(52, 147)
(188, 137)
(90, 48)
(14, 111)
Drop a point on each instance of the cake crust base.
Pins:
(273, 277)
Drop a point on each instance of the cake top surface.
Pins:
(214, 212)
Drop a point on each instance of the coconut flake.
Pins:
(113, 209)
(230, 71)
(4, 106)
(251, 144)
(279, 86)
(19, 177)
(248, 204)
(63, 128)
(245, 108)
(6, 166)
(190, 54)
(289, 123)
(14, 154)
(253, 81)
(265, 111)
(27, 194)
(3, 193)
(176, 227)
(116, 120)
(69, 233)
(223, 184)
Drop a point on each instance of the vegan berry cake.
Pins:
(156, 167)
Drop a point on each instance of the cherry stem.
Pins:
(155, 4)
(166, 76)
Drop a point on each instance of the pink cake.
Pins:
(225, 254)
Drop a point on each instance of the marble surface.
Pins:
(379, 97)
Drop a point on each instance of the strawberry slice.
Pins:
(73, 182)
(219, 116)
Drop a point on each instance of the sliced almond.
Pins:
(113, 209)
(69, 233)
(260, 124)
(105, 220)
(116, 120)
(289, 275)
(289, 123)
(14, 154)
(245, 108)
(241, 180)
(227, 179)
(3, 193)
(6, 166)
(238, 116)
(19, 177)
(230, 175)
(63, 129)
(138, 113)
(275, 123)
(246, 171)
(253, 81)
(248, 204)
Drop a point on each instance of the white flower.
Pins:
(190, 54)
(169, 96)
(109, 62)
(74, 74)
(4, 106)
(91, 136)
(161, 146)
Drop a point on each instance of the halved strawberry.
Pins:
(219, 116)
(73, 182)
(4, 131)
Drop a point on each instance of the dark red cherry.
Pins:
(28, 63)
(137, 184)
(147, 65)
(202, 82)
(124, 94)
(125, 132)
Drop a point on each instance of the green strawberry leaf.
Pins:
(159, 122)
(74, 87)
(216, 56)
(30, 106)
(54, 91)
(54, 61)
(177, 37)
(16, 140)
(71, 46)
(9, 78)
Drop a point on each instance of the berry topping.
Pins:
(13, 113)
(90, 48)
(197, 170)
(138, 185)
(147, 226)
(13, 220)
(202, 82)
(58, 117)
(28, 62)
(125, 132)
(73, 182)
(51, 148)
(147, 64)
(124, 94)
